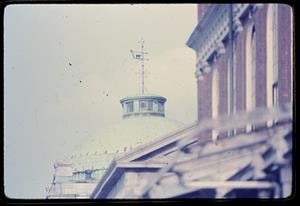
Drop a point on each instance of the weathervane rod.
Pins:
(140, 55)
(143, 81)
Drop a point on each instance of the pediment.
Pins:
(158, 150)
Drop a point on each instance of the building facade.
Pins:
(244, 58)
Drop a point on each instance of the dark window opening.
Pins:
(129, 106)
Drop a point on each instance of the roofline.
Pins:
(197, 31)
(114, 173)
(118, 165)
(104, 179)
(156, 144)
(160, 98)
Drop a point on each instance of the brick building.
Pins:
(244, 58)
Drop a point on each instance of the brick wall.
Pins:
(204, 97)
(240, 46)
(240, 71)
(204, 101)
(284, 53)
(260, 19)
(221, 65)
(284, 65)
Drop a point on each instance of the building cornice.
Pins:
(208, 37)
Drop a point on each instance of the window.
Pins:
(129, 107)
(160, 107)
(142, 105)
(150, 105)
(275, 94)
(146, 105)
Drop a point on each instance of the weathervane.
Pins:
(140, 55)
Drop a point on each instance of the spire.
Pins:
(140, 55)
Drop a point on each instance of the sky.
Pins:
(67, 66)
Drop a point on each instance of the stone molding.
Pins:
(208, 37)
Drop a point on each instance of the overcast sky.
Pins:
(67, 66)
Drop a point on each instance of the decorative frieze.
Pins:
(207, 38)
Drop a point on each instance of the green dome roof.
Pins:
(97, 151)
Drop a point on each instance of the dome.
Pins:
(143, 121)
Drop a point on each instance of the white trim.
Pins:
(231, 86)
(141, 164)
(250, 71)
(215, 100)
(100, 185)
(272, 56)
(230, 184)
(234, 66)
(228, 86)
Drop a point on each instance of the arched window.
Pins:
(250, 70)
(272, 57)
(215, 99)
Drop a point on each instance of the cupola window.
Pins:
(129, 107)
(146, 105)
(160, 107)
